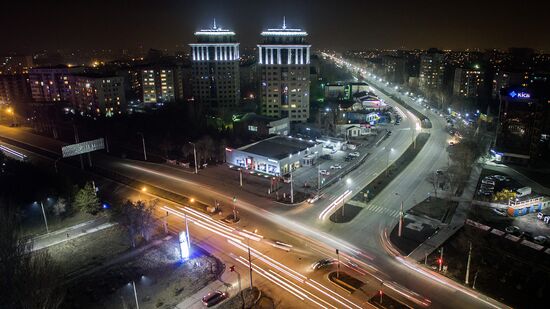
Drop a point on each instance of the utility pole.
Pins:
(291, 189)
(338, 265)
(45, 220)
(249, 263)
(195, 156)
(475, 278)
(135, 294)
(240, 176)
(468, 265)
(318, 177)
(76, 141)
(143, 144)
(235, 209)
(441, 259)
(400, 231)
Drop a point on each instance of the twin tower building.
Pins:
(283, 71)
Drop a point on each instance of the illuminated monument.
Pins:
(283, 59)
(215, 68)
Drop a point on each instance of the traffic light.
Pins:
(440, 261)
(234, 199)
(232, 268)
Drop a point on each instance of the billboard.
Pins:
(84, 147)
(184, 245)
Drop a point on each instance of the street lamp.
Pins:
(388, 161)
(348, 183)
(400, 230)
(143, 143)
(195, 156)
(44, 215)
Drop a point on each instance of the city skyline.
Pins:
(354, 24)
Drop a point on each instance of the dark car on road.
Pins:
(213, 298)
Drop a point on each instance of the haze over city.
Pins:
(274, 154)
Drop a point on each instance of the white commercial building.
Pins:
(284, 60)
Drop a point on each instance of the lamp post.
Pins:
(195, 156)
(45, 220)
(135, 294)
(143, 144)
(400, 229)
(388, 161)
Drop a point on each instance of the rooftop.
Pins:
(278, 147)
(283, 31)
(215, 30)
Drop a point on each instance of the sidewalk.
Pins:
(457, 221)
(226, 282)
(71, 232)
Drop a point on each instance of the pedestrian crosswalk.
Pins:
(374, 208)
(382, 210)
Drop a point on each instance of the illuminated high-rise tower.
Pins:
(215, 68)
(283, 59)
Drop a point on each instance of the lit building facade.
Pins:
(96, 95)
(14, 89)
(284, 60)
(215, 69)
(432, 69)
(51, 84)
(467, 82)
(158, 85)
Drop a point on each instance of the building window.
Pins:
(253, 128)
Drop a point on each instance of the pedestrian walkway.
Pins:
(458, 220)
(227, 282)
(374, 208)
(69, 233)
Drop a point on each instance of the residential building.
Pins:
(51, 84)
(14, 89)
(97, 95)
(284, 60)
(215, 69)
(468, 83)
(432, 70)
(159, 85)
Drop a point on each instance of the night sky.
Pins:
(30, 25)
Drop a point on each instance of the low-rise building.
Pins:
(275, 156)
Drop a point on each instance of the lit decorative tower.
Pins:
(215, 68)
(283, 59)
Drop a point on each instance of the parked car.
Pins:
(488, 182)
(500, 212)
(541, 240)
(336, 167)
(354, 154)
(213, 298)
(500, 178)
(439, 172)
(527, 235)
(326, 157)
(512, 229)
(324, 172)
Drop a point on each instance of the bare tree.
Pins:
(137, 218)
(60, 207)
(432, 178)
(27, 279)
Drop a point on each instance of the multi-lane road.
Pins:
(362, 242)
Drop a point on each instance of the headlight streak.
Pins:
(331, 207)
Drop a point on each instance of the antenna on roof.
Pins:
(284, 22)
(215, 24)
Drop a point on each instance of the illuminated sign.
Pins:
(184, 245)
(519, 95)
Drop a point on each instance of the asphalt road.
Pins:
(362, 241)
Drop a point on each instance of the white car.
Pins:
(324, 172)
(335, 167)
(314, 198)
(354, 154)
